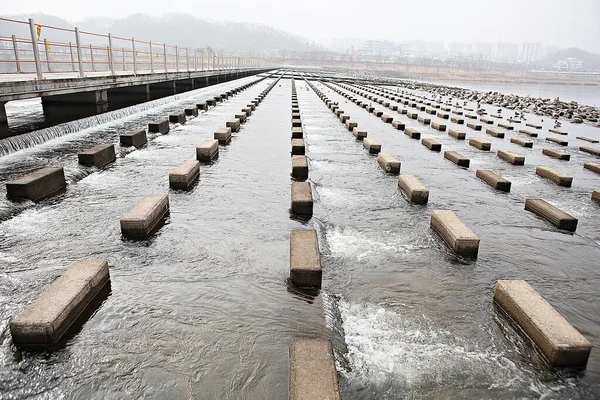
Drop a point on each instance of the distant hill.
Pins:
(591, 61)
(175, 29)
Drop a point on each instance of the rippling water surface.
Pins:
(201, 310)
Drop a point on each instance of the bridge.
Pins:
(95, 72)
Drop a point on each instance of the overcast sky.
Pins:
(563, 23)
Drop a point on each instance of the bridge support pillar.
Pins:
(3, 119)
(128, 96)
(184, 85)
(68, 107)
(162, 89)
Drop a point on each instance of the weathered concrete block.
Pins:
(412, 115)
(377, 113)
(561, 155)
(596, 195)
(387, 119)
(296, 115)
(414, 189)
(552, 214)
(412, 133)
(393, 107)
(296, 122)
(536, 126)
(457, 158)
(398, 124)
(359, 133)
(312, 370)
(202, 105)
(443, 115)
(424, 120)
(302, 201)
(297, 132)
(495, 181)
(298, 148)
(471, 116)
(247, 110)
(528, 133)
(561, 344)
(300, 167)
(486, 120)
(185, 175)
(251, 106)
(159, 126)
(98, 156)
(457, 112)
(513, 158)
(233, 124)
(590, 150)
(207, 150)
(389, 163)
(557, 141)
(146, 217)
(133, 137)
(402, 111)
(474, 126)
(480, 144)
(191, 112)
(350, 125)
(438, 126)
(49, 317)
(338, 112)
(177, 118)
(371, 145)
(431, 111)
(456, 120)
(305, 259)
(495, 133)
(241, 117)
(506, 126)
(344, 118)
(455, 233)
(559, 178)
(457, 134)
(431, 144)
(223, 135)
(592, 166)
(37, 185)
(522, 142)
(587, 139)
(558, 132)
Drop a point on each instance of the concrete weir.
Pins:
(146, 217)
(305, 259)
(37, 185)
(300, 167)
(414, 189)
(455, 233)
(560, 343)
(223, 135)
(133, 137)
(185, 175)
(389, 163)
(552, 214)
(312, 370)
(457, 158)
(49, 317)
(559, 178)
(159, 126)
(98, 156)
(371, 145)
(495, 181)
(302, 201)
(207, 150)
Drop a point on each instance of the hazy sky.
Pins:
(564, 23)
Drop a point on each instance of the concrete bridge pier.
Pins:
(162, 89)
(67, 107)
(128, 96)
(184, 85)
(3, 119)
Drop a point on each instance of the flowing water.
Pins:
(202, 309)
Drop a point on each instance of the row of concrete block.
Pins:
(301, 193)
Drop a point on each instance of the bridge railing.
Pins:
(47, 50)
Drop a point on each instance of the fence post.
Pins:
(195, 60)
(47, 55)
(36, 52)
(151, 58)
(123, 55)
(79, 58)
(72, 58)
(16, 50)
(176, 59)
(187, 59)
(165, 55)
(202, 59)
(134, 56)
(92, 57)
(111, 60)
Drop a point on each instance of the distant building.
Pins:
(530, 53)
(505, 52)
(569, 64)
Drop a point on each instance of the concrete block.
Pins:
(208, 150)
(587, 139)
(536, 126)
(558, 132)
(386, 104)
(506, 126)
(412, 115)
(297, 132)
(247, 110)
(455, 233)
(133, 137)
(486, 120)
(296, 122)
(338, 112)
(233, 124)
(414, 189)
(559, 178)
(431, 111)
(480, 144)
(495, 133)
(398, 124)
(393, 107)
(371, 145)
(510, 157)
(432, 144)
(312, 370)
(146, 217)
(528, 133)
(423, 120)
(457, 134)
(590, 150)
(305, 259)
(251, 106)
(389, 163)
(185, 175)
(49, 317)
(359, 133)
(457, 112)
(387, 119)
(159, 126)
(350, 125)
(202, 106)
(448, 109)
(191, 112)
(457, 158)
(302, 201)
(561, 155)
(412, 133)
(223, 135)
(298, 148)
(495, 181)
(37, 185)
(438, 126)
(300, 167)
(443, 115)
(456, 120)
(177, 118)
(552, 214)
(98, 156)
(558, 141)
(474, 126)
(402, 111)
(592, 166)
(471, 116)
(560, 343)
(241, 117)
(296, 115)
(522, 142)
(344, 118)
(596, 195)
(377, 113)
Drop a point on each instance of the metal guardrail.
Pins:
(95, 52)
